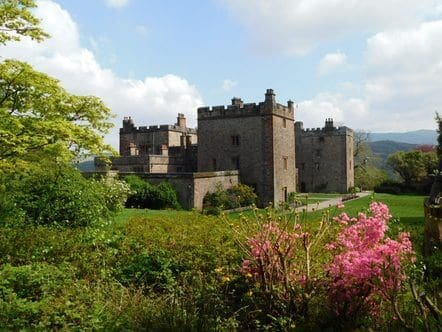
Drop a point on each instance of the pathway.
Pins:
(330, 202)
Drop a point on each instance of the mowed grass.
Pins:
(407, 211)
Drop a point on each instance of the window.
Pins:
(214, 164)
(284, 194)
(235, 139)
(284, 123)
(285, 162)
(318, 152)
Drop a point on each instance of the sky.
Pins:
(372, 65)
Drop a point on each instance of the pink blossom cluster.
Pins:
(367, 265)
(271, 253)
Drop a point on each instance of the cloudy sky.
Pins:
(374, 65)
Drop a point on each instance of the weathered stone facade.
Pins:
(256, 139)
(156, 149)
(324, 158)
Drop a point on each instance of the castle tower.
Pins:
(324, 158)
(256, 139)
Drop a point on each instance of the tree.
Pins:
(413, 166)
(366, 164)
(39, 119)
(16, 21)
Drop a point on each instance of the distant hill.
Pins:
(419, 137)
(384, 148)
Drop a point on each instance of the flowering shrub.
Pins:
(367, 266)
(272, 257)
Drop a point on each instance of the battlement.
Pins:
(129, 127)
(240, 109)
(328, 129)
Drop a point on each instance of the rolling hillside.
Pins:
(419, 137)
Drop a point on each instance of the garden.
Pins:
(263, 269)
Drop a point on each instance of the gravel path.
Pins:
(331, 202)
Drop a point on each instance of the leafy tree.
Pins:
(39, 119)
(368, 174)
(16, 21)
(413, 166)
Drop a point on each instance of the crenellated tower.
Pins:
(256, 139)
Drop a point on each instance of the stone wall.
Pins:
(149, 140)
(190, 187)
(324, 158)
(253, 139)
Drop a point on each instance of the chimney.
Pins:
(237, 102)
(270, 97)
(181, 120)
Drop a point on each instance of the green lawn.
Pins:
(407, 211)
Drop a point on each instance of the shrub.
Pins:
(389, 187)
(146, 195)
(63, 196)
(234, 197)
(367, 267)
(114, 192)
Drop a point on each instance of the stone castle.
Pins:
(256, 144)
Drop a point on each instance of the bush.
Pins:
(62, 197)
(149, 196)
(232, 198)
(114, 192)
(389, 187)
(59, 196)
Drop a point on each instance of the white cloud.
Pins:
(401, 90)
(117, 3)
(153, 100)
(228, 85)
(296, 27)
(313, 112)
(330, 62)
(404, 69)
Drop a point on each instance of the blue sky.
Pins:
(372, 65)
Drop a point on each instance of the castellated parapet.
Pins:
(239, 109)
(256, 139)
(324, 158)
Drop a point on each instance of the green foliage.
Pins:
(60, 195)
(41, 121)
(168, 270)
(413, 166)
(147, 195)
(234, 197)
(16, 21)
(368, 177)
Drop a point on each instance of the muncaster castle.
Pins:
(258, 144)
